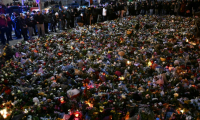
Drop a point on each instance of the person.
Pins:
(24, 27)
(46, 22)
(168, 8)
(68, 16)
(182, 8)
(10, 24)
(72, 18)
(30, 23)
(54, 21)
(40, 24)
(143, 8)
(104, 14)
(50, 16)
(57, 20)
(62, 20)
(176, 8)
(156, 8)
(3, 28)
(35, 23)
(147, 8)
(95, 15)
(151, 9)
(17, 21)
(172, 6)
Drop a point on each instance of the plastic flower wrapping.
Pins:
(136, 68)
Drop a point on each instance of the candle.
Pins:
(128, 63)
(121, 78)
(4, 113)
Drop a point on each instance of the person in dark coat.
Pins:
(3, 28)
(40, 24)
(172, 6)
(147, 8)
(34, 24)
(62, 20)
(50, 16)
(10, 24)
(143, 8)
(17, 21)
(182, 8)
(156, 8)
(95, 15)
(30, 22)
(46, 22)
(54, 21)
(72, 18)
(167, 8)
(68, 17)
(24, 28)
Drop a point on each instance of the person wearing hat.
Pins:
(40, 24)
(54, 21)
(3, 28)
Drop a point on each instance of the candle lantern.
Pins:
(77, 115)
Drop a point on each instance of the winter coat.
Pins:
(3, 23)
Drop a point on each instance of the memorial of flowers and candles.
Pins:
(142, 67)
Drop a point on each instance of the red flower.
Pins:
(8, 91)
(5, 81)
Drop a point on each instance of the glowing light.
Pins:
(76, 114)
(182, 111)
(128, 63)
(89, 104)
(62, 100)
(101, 108)
(149, 64)
(121, 78)
(25, 111)
(186, 40)
(4, 113)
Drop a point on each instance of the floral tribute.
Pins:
(142, 67)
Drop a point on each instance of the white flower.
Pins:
(176, 89)
(36, 100)
(160, 103)
(188, 118)
(162, 93)
(192, 101)
(14, 103)
(123, 96)
(154, 99)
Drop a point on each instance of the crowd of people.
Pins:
(34, 4)
(41, 23)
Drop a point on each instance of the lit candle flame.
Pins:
(128, 62)
(4, 113)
